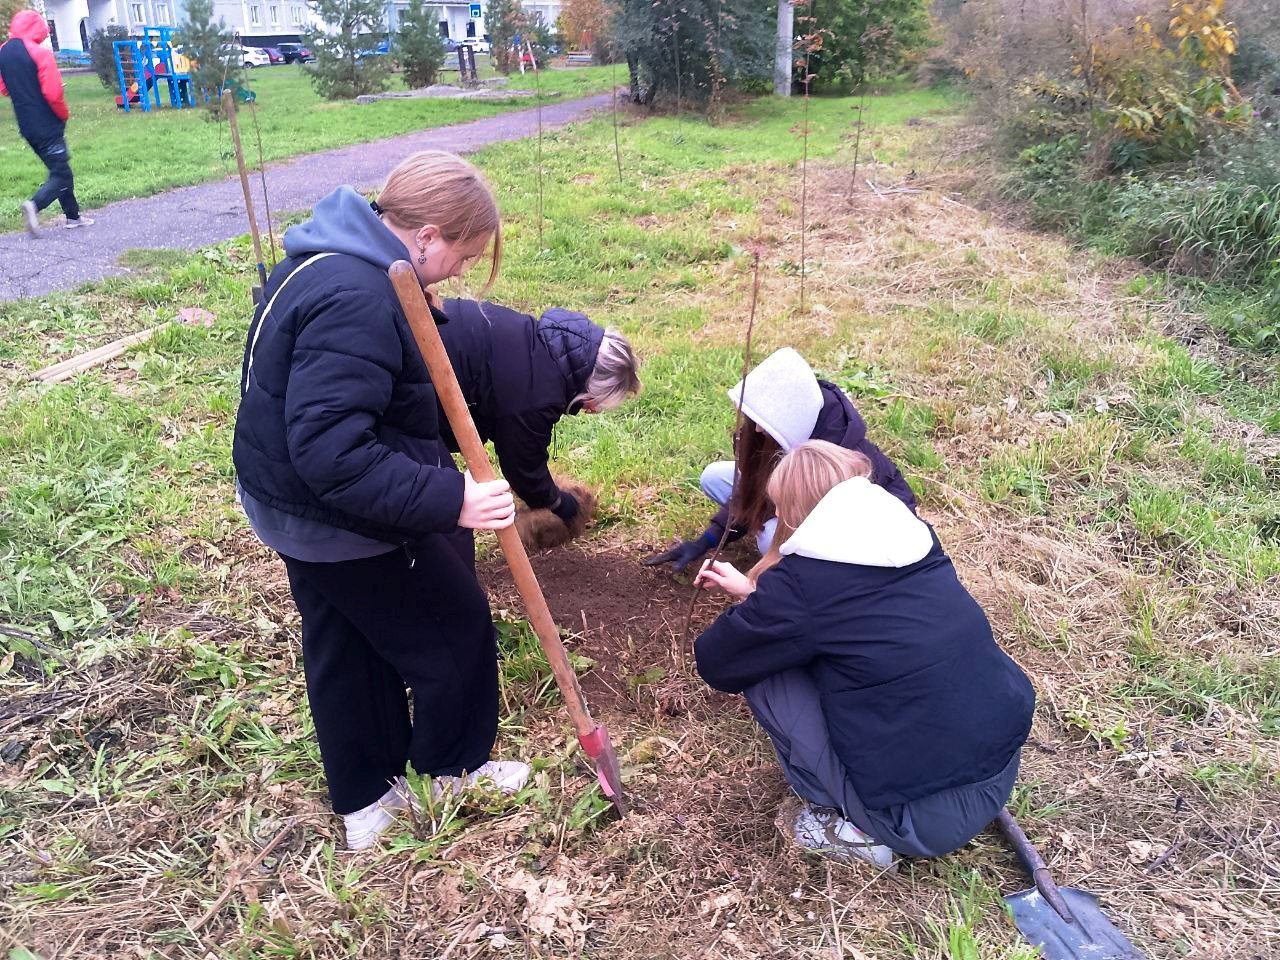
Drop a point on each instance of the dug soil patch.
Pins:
(628, 619)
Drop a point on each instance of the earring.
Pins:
(422, 256)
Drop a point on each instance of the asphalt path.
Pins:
(191, 217)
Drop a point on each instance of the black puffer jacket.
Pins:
(338, 421)
(520, 376)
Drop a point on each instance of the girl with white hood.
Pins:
(783, 405)
(895, 716)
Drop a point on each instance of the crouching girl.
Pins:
(895, 716)
(783, 404)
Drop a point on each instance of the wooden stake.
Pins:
(537, 83)
(229, 106)
(617, 150)
(262, 174)
(804, 161)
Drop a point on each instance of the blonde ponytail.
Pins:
(438, 187)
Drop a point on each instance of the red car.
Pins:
(275, 55)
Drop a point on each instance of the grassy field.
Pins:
(1103, 467)
(117, 155)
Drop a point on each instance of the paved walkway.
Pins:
(194, 216)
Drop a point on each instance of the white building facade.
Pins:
(256, 22)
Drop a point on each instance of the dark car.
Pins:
(294, 53)
(275, 54)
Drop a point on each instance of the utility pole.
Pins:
(782, 52)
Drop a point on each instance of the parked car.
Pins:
(273, 54)
(480, 46)
(295, 53)
(250, 57)
(451, 46)
(381, 50)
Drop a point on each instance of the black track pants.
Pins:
(414, 618)
(60, 184)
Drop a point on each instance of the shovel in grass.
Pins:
(1065, 923)
(593, 736)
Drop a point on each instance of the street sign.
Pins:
(475, 11)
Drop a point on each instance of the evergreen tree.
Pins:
(419, 46)
(102, 54)
(346, 64)
(213, 65)
(505, 20)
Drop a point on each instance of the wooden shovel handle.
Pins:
(1033, 863)
(464, 431)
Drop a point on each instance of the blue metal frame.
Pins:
(155, 47)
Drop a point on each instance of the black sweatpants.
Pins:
(60, 184)
(371, 627)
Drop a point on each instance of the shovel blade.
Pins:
(1090, 936)
(599, 748)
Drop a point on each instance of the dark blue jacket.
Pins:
(520, 376)
(917, 695)
(29, 77)
(338, 421)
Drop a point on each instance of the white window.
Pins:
(255, 14)
(274, 12)
(297, 15)
(139, 13)
(162, 13)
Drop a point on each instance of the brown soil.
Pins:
(627, 618)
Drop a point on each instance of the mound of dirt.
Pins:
(628, 618)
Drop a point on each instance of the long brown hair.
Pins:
(798, 483)
(756, 453)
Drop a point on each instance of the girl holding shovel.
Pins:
(895, 716)
(341, 471)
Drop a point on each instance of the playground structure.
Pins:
(143, 63)
(146, 62)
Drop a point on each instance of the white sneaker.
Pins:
(31, 217)
(78, 222)
(505, 776)
(367, 824)
(824, 831)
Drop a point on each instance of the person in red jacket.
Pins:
(29, 77)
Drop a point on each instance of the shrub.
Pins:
(346, 64)
(861, 37)
(102, 54)
(419, 46)
(1213, 227)
(693, 48)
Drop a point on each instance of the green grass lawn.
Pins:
(1105, 482)
(117, 155)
